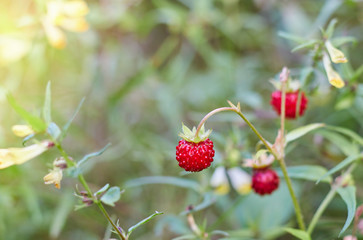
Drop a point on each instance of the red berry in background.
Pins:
(195, 157)
(290, 103)
(265, 181)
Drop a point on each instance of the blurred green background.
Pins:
(144, 67)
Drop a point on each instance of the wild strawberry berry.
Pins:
(265, 181)
(195, 151)
(195, 157)
(290, 103)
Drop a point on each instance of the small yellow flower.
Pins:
(22, 130)
(11, 156)
(333, 77)
(54, 177)
(68, 15)
(336, 55)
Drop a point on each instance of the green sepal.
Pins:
(191, 136)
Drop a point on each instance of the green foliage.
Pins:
(348, 195)
(145, 66)
(300, 234)
(112, 195)
(35, 122)
(308, 172)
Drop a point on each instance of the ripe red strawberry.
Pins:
(195, 151)
(265, 181)
(195, 157)
(290, 103)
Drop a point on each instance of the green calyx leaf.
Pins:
(192, 136)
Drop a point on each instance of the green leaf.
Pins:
(347, 132)
(342, 165)
(112, 195)
(53, 130)
(102, 190)
(131, 229)
(94, 154)
(301, 131)
(344, 102)
(47, 105)
(292, 37)
(73, 172)
(35, 122)
(27, 138)
(308, 44)
(175, 181)
(347, 147)
(219, 232)
(330, 29)
(348, 195)
(186, 130)
(186, 237)
(68, 124)
(307, 172)
(338, 41)
(300, 234)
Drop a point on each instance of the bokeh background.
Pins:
(145, 66)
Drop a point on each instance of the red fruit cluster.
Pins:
(194, 157)
(290, 103)
(264, 181)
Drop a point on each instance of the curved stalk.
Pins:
(297, 208)
(211, 114)
(299, 216)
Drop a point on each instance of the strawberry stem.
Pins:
(239, 112)
(281, 160)
(211, 114)
(284, 76)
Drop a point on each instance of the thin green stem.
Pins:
(89, 191)
(201, 123)
(329, 197)
(103, 210)
(299, 216)
(238, 111)
(321, 209)
(70, 163)
(267, 145)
